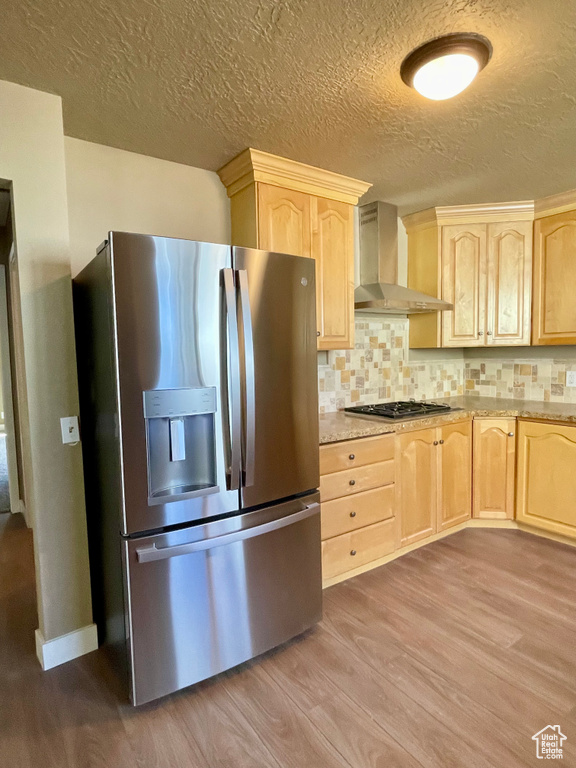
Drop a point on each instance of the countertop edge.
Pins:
(338, 427)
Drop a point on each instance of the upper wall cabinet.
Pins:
(280, 205)
(479, 258)
(554, 316)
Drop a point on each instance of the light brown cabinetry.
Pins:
(455, 473)
(280, 205)
(494, 463)
(434, 480)
(554, 318)
(482, 267)
(464, 285)
(284, 221)
(358, 503)
(417, 486)
(546, 480)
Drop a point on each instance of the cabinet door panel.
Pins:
(343, 515)
(416, 484)
(352, 550)
(455, 491)
(464, 284)
(335, 457)
(494, 468)
(554, 317)
(283, 220)
(509, 283)
(546, 486)
(340, 484)
(333, 250)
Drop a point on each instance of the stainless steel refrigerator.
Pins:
(199, 414)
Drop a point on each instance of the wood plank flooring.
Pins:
(453, 655)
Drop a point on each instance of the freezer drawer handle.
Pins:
(149, 554)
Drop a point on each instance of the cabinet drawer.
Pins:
(344, 515)
(355, 453)
(340, 484)
(369, 543)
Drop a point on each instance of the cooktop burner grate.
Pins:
(401, 409)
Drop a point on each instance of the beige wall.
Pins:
(110, 189)
(32, 159)
(107, 189)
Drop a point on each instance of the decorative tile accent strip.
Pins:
(378, 369)
(538, 379)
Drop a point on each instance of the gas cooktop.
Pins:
(402, 409)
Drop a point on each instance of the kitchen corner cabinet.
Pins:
(434, 481)
(554, 314)
(280, 205)
(494, 472)
(482, 267)
(546, 477)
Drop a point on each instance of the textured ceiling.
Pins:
(197, 81)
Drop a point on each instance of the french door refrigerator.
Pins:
(197, 369)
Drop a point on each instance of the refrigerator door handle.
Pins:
(249, 431)
(150, 554)
(231, 377)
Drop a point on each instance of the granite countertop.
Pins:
(338, 426)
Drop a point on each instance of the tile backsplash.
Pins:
(542, 379)
(380, 368)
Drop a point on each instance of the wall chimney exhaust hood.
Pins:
(379, 292)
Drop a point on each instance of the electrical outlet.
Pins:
(571, 378)
(70, 429)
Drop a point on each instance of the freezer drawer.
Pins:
(204, 599)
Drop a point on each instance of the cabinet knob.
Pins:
(352, 552)
(441, 442)
(352, 482)
(488, 333)
(317, 333)
(435, 442)
(352, 457)
(352, 514)
(510, 434)
(480, 333)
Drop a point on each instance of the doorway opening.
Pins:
(12, 480)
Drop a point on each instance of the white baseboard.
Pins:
(61, 649)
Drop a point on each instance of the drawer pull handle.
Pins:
(435, 442)
(352, 482)
(510, 434)
(352, 457)
(352, 552)
(441, 442)
(352, 514)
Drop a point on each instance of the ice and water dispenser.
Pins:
(180, 436)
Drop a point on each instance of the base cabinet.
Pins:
(546, 480)
(357, 480)
(455, 473)
(417, 486)
(494, 469)
(434, 480)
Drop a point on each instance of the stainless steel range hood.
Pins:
(379, 292)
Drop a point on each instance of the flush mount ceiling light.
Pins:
(445, 66)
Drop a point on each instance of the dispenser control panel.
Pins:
(168, 403)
